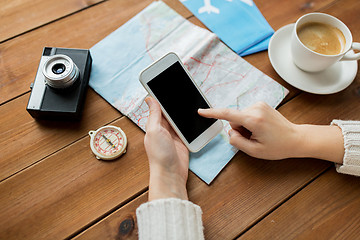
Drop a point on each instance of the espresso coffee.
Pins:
(321, 38)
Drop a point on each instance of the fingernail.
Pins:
(147, 100)
(231, 132)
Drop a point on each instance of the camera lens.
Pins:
(58, 68)
(60, 71)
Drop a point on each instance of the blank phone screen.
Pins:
(181, 100)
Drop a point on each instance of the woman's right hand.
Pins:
(262, 132)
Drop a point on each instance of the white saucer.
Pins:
(332, 80)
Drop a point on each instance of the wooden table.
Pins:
(52, 187)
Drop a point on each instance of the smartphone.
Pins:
(169, 82)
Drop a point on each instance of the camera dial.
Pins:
(60, 71)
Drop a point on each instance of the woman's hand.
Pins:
(168, 156)
(262, 132)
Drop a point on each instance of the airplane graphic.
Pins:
(211, 9)
(208, 8)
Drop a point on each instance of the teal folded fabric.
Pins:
(238, 23)
(261, 46)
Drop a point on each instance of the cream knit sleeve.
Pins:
(351, 134)
(169, 218)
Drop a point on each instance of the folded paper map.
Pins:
(226, 79)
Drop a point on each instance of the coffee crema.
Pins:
(321, 38)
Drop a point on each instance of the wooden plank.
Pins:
(71, 189)
(18, 16)
(245, 190)
(122, 224)
(24, 140)
(19, 57)
(279, 13)
(178, 7)
(327, 209)
(248, 189)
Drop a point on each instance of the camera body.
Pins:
(60, 85)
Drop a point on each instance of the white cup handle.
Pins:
(352, 56)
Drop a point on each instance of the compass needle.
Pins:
(108, 141)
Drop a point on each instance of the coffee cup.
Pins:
(320, 40)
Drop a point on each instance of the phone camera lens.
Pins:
(58, 68)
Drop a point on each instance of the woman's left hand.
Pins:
(168, 156)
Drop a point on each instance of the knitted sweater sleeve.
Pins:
(351, 134)
(169, 218)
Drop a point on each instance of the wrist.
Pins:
(165, 184)
(321, 142)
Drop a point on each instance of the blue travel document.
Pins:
(261, 46)
(238, 23)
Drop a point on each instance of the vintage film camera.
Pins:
(60, 85)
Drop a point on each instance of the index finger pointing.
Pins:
(230, 115)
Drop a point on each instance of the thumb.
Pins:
(155, 112)
(241, 142)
